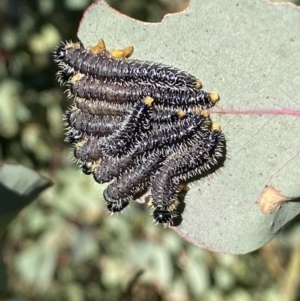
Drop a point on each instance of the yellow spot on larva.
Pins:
(148, 101)
(204, 113)
(216, 127)
(181, 113)
(80, 144)
(98, 48)
(214, 97)
(122, 53)
(75, 78)
(150, 202)
(198, 84)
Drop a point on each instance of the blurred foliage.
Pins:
(65, 246)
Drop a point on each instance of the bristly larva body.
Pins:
(159, 116)
(113, 168)
(116, 144)
(174, 133)
(89, 124)
(182, 167)
(172, 138)
(119, 135)
(88, 150)
(136, 122)
(124, 188)
(162, 116)
(122, 93)
(102, 64)
(101, 107)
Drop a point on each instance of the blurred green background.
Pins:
(65, 246)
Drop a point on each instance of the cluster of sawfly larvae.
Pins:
(138, 125)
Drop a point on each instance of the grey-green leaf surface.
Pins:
(19, 186)
(249, 52)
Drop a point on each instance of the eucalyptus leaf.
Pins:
(247, 51)
(19, 186)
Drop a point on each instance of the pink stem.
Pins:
(256, 112)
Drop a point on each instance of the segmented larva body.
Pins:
(214, 154)
(165, 140)
(116, 206)
(104, 65)
(166, 197)
(159, 117)
(183, 166)
(112, 168)
(88, 150)
(164, 116)
(124, 188)
(172, 138)
(111, 91)
(172, 134)
(117, 144)
(101, 107)
(130, 92)
(89, 124)
(85, 132)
